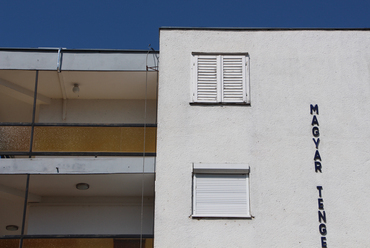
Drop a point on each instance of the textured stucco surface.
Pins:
(289, 70)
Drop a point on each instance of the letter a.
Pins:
(317, 155)
(315, 121)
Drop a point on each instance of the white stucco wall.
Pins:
(289, 70)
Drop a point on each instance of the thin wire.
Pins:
(142, 175)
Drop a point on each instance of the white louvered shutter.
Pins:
(207, 79)
(233, 79)
(220, 195)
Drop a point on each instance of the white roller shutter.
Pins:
(220, 195)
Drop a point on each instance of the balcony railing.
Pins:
(78, 242)
(78, 139)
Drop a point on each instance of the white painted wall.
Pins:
(289, 70)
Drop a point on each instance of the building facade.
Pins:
(245, 138)
(263, 138)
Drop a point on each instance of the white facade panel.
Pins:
(107, 61)
(28, 60)
(69, 59)
(289, 71)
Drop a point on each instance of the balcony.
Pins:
(107, 114)
(115, 208)
(70, 117)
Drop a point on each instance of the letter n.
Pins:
(322, 216)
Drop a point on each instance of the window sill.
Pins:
(219, 104)
(221, 217)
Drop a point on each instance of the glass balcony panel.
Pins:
(86, 242)
(68, 243)
(94, 139)
(96, 97)
(12, 193)
(133, 243)
(15, 138)
(16, 95)
(108, 204)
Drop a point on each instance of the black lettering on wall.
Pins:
(317, 155)
(317, 142)
(318, 167)
(321, 203)
(322, 216)
(319, 188)
(315, 132)
(315, 121)
(323, 242)
(322, 229)
(314, 109)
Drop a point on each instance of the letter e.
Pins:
(323, 242)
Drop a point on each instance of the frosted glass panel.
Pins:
(12, 193)
(15, 138)
(83, 243)
(76, 243)
(68, 243)
(94, 139)
(9, 243)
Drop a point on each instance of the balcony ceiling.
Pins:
(110, 185)
(60, 190)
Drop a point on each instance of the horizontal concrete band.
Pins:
(77, 165)
(51, 60)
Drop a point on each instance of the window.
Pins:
(220, 78)
(221, 190)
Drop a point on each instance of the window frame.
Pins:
(220, 170)
(221, 97)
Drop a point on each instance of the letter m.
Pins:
(314, 109)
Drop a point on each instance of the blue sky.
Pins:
(131, 24)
